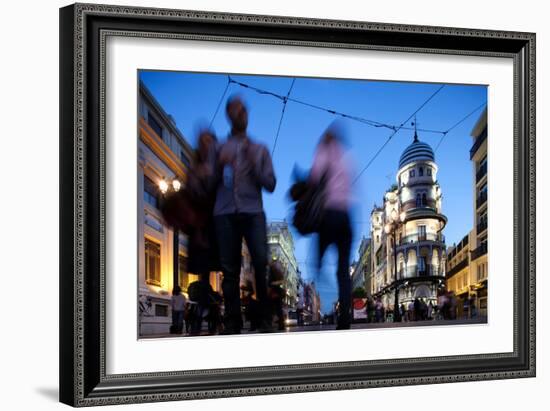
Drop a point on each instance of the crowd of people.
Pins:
(421, 309)
(222, 205)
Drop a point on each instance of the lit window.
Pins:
(152, 262)
(150, 192)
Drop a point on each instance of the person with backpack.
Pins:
(331, 169)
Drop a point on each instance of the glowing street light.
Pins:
(164, 187)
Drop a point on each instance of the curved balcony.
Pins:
(418, 239)
(419, 213)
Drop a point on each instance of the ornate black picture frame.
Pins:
(83, 30)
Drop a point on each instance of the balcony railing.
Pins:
(416, 271)
(482, 172)
(458, 267)
(413, 238)
(481, 227)
(479, 141)
(481, 199)
(479, 251)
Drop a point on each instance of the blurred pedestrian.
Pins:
(276, 291)
(430, 310)
(417, 309)
(473, 308)
(250, 305)
(177, 303)
(378, 311)
(331, 167)
(410, 311)
(203, 256)
(452, 306)
(243, 169)
(466, 307)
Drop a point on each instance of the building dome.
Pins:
(417, 151)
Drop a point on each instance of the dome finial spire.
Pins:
(415, 133)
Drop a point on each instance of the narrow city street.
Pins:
(357, 326)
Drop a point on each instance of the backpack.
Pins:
(309, 208)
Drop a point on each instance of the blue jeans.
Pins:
(177, 320)
(231, 229)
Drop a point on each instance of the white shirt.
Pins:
(178, 302)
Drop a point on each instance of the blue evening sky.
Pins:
(192, 98)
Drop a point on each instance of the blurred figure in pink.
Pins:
(331, 168)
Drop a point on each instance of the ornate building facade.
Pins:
(163, 155)
(408, 248)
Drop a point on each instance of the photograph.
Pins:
(280, 204)
(309, 193)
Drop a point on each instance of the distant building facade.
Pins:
(459, 279)
(281, 248)
(312, 303)
(361, 275)
(479, 260)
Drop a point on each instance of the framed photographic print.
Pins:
(261, 204)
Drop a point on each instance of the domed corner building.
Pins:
(411, 213)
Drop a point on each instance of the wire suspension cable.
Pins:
(366, 121)
(395, 132)
(221, 101)
(285, 101)
(458, 123)
(362, 120)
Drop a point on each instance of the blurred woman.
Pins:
(331, 168)
(202, 244)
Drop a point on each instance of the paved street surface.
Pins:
(360, 326)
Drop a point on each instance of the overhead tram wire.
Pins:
(366, 121)
(371, 123)
(285, 101)
(458, 123)
(220, 102)
(395, 132)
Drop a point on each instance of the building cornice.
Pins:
(161, 149)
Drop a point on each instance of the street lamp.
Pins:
(391, 227)
(164, 186)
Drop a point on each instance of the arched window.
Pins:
(418, 200)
